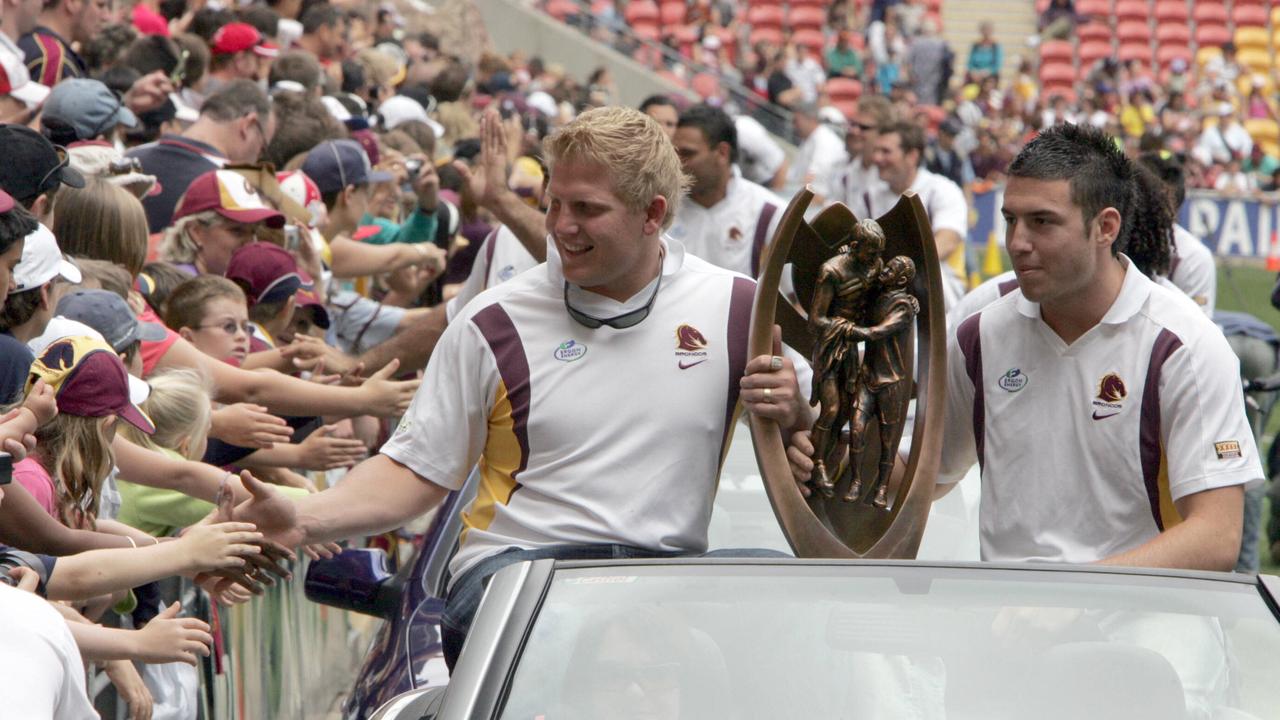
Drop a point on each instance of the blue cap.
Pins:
(110, 315)
(337, 164)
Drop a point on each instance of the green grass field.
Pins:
(1247, 288)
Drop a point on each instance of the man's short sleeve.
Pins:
(963, 401)
(948, 209)
(764, 156)
(360, 323)
(443, 434)
(1204, 433)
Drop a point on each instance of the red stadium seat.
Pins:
(686, 35)
(765, 16)
(843, 89)
(1168, 53)
(1212, 35)
(1210, 13)
(1259, 3)
(1173, 33)
(807, 18)
(1249, 15)
(1133, 32)
(561, 9)
(1057, 74)
(770, 35)
(641, 12)
(1134, 51)
(1056, 50)
(1092, 52)
(673, 13)
(1098, 9)
(814, 40)
(1171, 11)
(1092, 31)
(646, 31)
(1132, 10)
(847, 108)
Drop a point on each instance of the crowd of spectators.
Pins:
(1199, 110)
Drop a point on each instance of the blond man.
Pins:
(595, 391)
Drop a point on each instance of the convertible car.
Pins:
(765, 638)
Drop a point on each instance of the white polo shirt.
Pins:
(759, 156)
(1193, 269)
(947, 209)
(502, 256)
(817, 161)
(1084, 448)
(734, 232)
(853, 185)
(581, 435)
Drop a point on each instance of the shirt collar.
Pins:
(1133, 295)
(601, 306)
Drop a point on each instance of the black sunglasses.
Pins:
(617, 322)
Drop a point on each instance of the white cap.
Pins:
(41, 262)
(399, 109)
(15, 81)
(543, 103)
(336, 108)
(60, 327)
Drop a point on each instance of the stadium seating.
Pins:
(561, 9)
(1212, 35)
(765, 16)
(1168, 53)
(807, 18)
(1056, 51)
(1252, 37)
(1092, 52)
(1093, 31)
(1174, 11)
(1133, 32)
(814, 40)
(1174, 34)
(1098, 9)
(1210, 13)
(1249, 15)
(673, 13)
(1127, 10)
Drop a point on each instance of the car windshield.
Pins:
(808, 641)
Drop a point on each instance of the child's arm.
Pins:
(26, 525)
(318, 451)
(202, 548)
(167, 638)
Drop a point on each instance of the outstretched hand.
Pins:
(387, 397)
(487, 178)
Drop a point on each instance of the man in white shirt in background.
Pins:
(761, 159)
(820, 156)
(727, 220)
(899, 150)
(854, 182)
(1193, 269)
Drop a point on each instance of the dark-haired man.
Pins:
(663, 109)
(236, 124)
(728, 220)
(1193, 269)
(1104, 411)
(48, 50)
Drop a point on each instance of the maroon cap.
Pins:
(266, 272)
(237, 37)
(89, 380)
(229, 194)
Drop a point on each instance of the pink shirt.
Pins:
(33, 477)
(153, 351)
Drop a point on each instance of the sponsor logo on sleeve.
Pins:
(570, 350)
(1110, 399)
(506, 273)
(1013, 380)
(691, 347)
(1227, 449)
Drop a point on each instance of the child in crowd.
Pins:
(210, 312)
(73, 455)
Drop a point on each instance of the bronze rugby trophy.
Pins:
(868, 313)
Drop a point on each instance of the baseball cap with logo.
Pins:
(33, 165)
(229, 194)
(88, 380)
(41, 262)
(266, 272)
(238, 37)
(15, 81)
(337, 164)
(110, 315)
(86, 107)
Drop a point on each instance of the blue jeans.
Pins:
(468, 588)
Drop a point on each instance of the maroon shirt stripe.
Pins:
(740, 301)
(971, 346)
(1149, 421)
(1007, 286)
(762, 230)
(508, 352)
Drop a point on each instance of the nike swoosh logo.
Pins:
(1096, 416)
(686, 367)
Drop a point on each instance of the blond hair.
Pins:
(180, 408)
(102, 221)
(76, 452)
(632, 147)
(177, 245)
